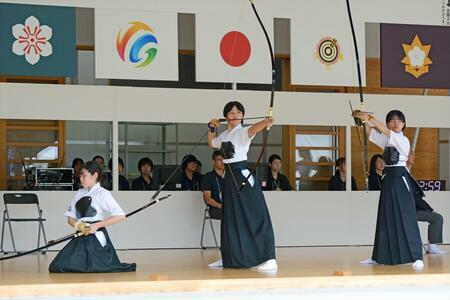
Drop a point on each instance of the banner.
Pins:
(132, 44)
(322, 51)
(37, 40)
(231, 47)
(415, 56)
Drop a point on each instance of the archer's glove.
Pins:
(82, 227)
(213, 125)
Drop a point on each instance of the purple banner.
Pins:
(415, 56)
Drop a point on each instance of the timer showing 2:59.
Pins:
(432, 185)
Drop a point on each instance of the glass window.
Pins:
(316, 150)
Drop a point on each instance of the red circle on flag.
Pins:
(235, 48)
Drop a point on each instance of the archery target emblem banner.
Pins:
(322, 51)
(136, 45)
(232, 48)
(328, 51)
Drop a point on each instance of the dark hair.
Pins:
(273, 157)
(216, 153)
(396, 113)
(188, 159)
(98, 156)
(229, 106)
(373, 161)
(340, 161)
(145, 161)
(110, 164)
(92, 167)
(77, 161)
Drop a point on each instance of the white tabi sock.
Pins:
(271, 264)
(418, 264)
(368, 261)
(434, 249)
(216, 264)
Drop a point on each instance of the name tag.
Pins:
(250, 179)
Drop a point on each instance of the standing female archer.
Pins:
(247, 238)
(397, 236)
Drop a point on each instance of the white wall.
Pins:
(299, 219)
(387, 11)
(112, 103)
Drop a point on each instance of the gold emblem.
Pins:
(416, 58)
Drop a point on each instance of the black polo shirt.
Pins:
(139, 184)
(282, 182)
(213, 182)
(191, 185)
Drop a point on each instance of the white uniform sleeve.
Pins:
(400, 142)
(243, 136)
(215, 142)
(378, 139)
(110, 205)
(71, 211)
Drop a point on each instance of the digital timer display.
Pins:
(432, 185)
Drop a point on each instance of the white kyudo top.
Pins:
(397, 140)
(103, 205)
(238, 136)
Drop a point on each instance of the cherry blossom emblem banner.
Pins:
(37, 40)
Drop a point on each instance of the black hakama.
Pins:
(247, 238)
(397, 236)
(85, 254)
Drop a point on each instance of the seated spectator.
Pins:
(376, 172)
(145, 181)
(190, 179)
(276, 181)
(107, 181)
(212, 186)
(337, 182)
(425, 213)
(100, 161)
(77, 166)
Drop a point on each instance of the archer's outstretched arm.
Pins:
(379, 125)
(260, 126)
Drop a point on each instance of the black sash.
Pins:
(391, 156)
(227, 150)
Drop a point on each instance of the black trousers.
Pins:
(85, 254)
(397, 236)
(247, 238)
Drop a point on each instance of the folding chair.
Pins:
(206, 216)
(21, 199)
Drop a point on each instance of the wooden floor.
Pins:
(186, 270)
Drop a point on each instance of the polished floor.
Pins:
(187, 269)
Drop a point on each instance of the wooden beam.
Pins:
(62, 143)
(85, 47)
(3, 156)
(288, 146)
(32, 127)
(31, 144)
